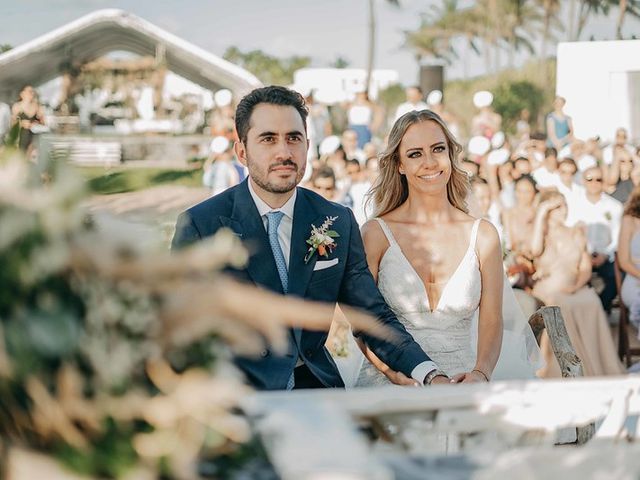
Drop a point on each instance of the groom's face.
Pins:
(275, 151)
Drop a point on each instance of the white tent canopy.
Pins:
(104, 31)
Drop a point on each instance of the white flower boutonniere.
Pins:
(322, 239)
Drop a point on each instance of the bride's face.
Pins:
(424, 157)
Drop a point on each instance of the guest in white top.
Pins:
(619, 146)
(601, 214)
(567, 186)
(414, 101)
(546, 176)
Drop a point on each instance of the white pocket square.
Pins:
(322, 264)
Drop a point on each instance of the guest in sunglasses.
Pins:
(601, 214)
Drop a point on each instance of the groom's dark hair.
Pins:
(275, 95)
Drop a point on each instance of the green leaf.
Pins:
(333, 234)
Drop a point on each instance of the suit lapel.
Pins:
(305, 214)
(262, 266)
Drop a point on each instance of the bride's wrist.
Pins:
(484, 375)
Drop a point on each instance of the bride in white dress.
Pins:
(440, 269)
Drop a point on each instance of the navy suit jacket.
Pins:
(349, 281)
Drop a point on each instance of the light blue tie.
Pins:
(273, 222)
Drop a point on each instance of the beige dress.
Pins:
(584, 317)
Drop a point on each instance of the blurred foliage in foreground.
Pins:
(117, 360)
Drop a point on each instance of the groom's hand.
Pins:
(400, 378)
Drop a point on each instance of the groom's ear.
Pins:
(241, 152)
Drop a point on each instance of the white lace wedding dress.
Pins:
(447, 332)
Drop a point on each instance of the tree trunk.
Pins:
(623, 10)
(545, 36)
(372, 44)
(572, 20)
(584, 16)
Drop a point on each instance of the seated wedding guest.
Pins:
(629, 256)
(620, 145)
(414, 101)
(437, 267)
(521, 166)
(505, 183)
(360, 186)
(486, 207)
(472, 168)
(619, 175)
(518, 221)
(572, 192)
(536, 149)
(220, 171)
(323, 182)
(349, 141)
(601, 214)
(563, 270)
(559, 125)
(546, 176)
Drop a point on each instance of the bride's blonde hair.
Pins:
(391, 190)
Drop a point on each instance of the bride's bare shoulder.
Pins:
(375, 241)
(488, 242)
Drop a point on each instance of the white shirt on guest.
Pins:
(545, 178)
(407, 107)
(603, 223)
(573, 196)
(285, 229)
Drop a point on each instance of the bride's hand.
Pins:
(469, 377)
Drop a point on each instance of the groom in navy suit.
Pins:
(274, 218)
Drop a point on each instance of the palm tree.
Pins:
(439, 28)
(371, 51)
(550, 11)
(632, 7)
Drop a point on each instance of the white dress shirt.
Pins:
(603, 223)
(544, 178)
(286, 224)
(285, 228)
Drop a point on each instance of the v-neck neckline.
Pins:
(424, 285)
(394, 243)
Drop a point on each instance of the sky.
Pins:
(321, 29)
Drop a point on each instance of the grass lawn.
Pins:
(105, 181)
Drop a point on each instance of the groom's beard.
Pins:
(261, 178)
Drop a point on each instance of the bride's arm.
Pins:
(375, 244)
(490, 310)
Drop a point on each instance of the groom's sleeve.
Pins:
(359, 290)
(186, 232)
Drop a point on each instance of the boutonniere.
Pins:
(322, 239)
(608, 216)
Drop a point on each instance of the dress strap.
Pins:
(474, 233)
(387, 231)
